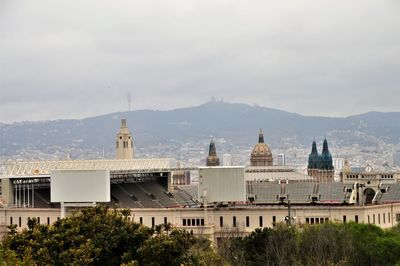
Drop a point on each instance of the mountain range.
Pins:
(237, 123)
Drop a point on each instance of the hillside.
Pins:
(238, 123)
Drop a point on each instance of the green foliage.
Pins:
(322, 244)
(100, 236)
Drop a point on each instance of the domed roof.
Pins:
(261, 149)
(261, 154)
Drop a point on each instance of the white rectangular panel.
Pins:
(222, 184)
(80, 186)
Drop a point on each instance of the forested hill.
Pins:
(239, 123)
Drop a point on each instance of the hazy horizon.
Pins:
(183, 107)
(76, 59)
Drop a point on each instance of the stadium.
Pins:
(225, 200)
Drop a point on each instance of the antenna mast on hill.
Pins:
(129, 99)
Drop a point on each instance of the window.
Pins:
(58, 218)
(307, 220)
(234, 221)
(388, 217)
(19, 221)
(184, 222)
(11, 221)
(356, 219)
(261, 221)
(326, 220)
(165, 220)
(141, 220)
(273, 220)
(153, 222)
(48, 220)
(379, 218)
(221, 221)
(384, 217)
(312, 220)
(38, 220)
(368, 219)
(317, 220)
(189, 222)
(202, 222)
(198, 222)
(344, 218)
(193, 222)
(373, 218)
(247, 221)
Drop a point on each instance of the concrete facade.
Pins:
(216, 222)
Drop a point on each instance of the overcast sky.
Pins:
(73, 59)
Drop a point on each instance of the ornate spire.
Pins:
(326, 157)
(212, 158)
(212, 150)
(313, 158)
(314, 148)
(261, 136)
(325, 149)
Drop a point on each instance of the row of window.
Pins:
(370, 176)
(317, 220)
(234, 221)
(37, 219)
(193, 222)
(379, 218)
(153, 221)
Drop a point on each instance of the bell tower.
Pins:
(124, 143)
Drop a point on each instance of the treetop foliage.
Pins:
(103, 236)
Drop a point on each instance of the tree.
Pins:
(103, 236)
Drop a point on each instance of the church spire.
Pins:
(212, 151)
(314, 148)
(325, 149)
(212, 158)
(326, 157)
(261, 136)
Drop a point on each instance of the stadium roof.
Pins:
(40, 168)
(275, 173)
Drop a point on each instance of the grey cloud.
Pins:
(77, 58)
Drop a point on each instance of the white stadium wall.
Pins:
(80, 186)
(222, 184)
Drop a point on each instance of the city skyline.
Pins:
(75, 59)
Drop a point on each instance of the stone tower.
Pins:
(261, 154)
(321, 166)
(124, 143)
(212, 158)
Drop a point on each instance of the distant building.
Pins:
(227, 159)
(321, 166)
(261, 154)
(338, 164)
(124, 143)
(281, 159)
(212, 158)
(396, 159)
(373, 185)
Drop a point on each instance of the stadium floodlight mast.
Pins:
(288, 219)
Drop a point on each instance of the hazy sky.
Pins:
(72, 59)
